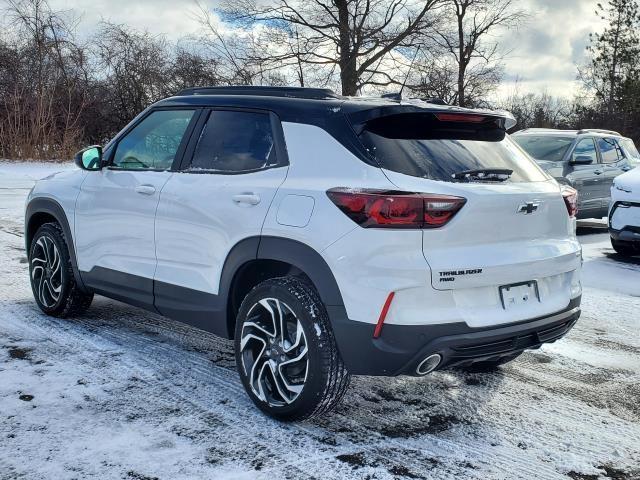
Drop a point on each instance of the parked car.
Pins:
(624, 213)
(327, 235)
(588, 160)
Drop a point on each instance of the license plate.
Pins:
(519, 294)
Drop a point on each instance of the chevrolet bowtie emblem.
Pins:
(528, 208)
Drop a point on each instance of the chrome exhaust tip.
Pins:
(429, 364)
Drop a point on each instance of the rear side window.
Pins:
(609, 150)
(544, 147)
(235, 142)
(421, 148)
(585, 148)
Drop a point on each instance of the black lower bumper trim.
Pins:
(401, 348)
(627, 234)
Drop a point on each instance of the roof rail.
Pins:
(264, 91)
(597, 130)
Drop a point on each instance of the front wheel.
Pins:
(286, 353)
(52, 282)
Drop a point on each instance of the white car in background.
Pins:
(624, 213)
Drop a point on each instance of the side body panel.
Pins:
(63, 188)
(56, 196)
(198, 222)
(115, 220)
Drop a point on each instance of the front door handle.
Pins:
(247, 198)
(146, 189)
(598, 172)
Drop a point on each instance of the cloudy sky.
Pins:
(543, 52)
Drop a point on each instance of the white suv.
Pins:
(327, 235)
(624, 213)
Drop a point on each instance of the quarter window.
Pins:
(235, 142)
(586, 148)
(609, 150)
(154, 142)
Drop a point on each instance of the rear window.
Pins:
(425, 148)
(541, 147)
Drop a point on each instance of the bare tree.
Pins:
(358, 38)
(539, 110)
(477, 57)
(135, 66)
(45, 80)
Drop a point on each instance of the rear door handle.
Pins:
(146, 189)
(598, 172)
(247, 198)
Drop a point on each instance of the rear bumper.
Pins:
(401, 348)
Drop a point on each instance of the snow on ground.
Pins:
(122, 393)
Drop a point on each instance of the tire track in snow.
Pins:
(145, 350)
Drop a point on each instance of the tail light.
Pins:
(384, 209)
(570, 196)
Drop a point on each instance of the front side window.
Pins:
(585, 148)
(544, 147)
(235, 142)
(154, 142)
(609, 150)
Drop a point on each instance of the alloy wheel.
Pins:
(46, 271)
(274, 352)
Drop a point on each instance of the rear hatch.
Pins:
(512, 229)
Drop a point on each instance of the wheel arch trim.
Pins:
(286, 250)
(51, 207)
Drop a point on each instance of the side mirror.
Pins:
(90, 158)
(581, 160)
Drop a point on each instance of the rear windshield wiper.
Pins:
(483, 174)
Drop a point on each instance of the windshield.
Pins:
(440, 159)
(549, 147)
(630, 149)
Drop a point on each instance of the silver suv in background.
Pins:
(588, 160)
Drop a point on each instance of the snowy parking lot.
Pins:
(121, 393)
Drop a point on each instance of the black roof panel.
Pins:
(304, 105)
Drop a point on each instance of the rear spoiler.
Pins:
(418, 122)
(499, 119)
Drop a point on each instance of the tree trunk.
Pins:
(614, 66)
(348, 73)
(461, 99)
(462, 61)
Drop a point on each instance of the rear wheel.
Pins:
(286, 353)
(52, 282)
(624, 248)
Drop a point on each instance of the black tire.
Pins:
(325, 378)
(624, 248)
(490, 365)
(51, 274)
